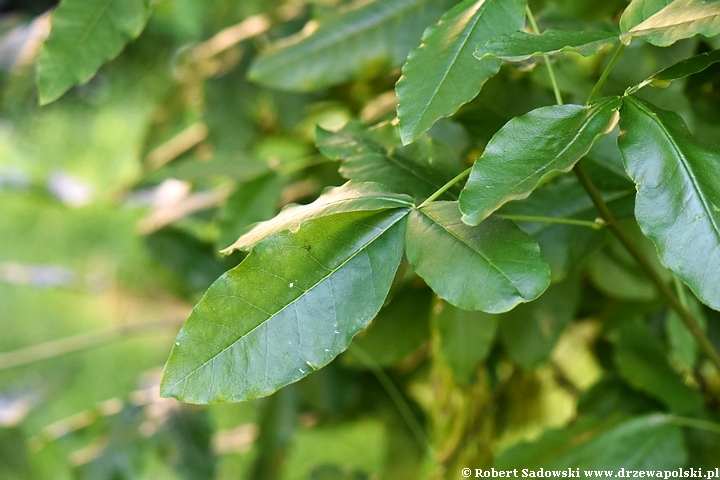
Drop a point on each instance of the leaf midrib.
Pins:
(274, 315)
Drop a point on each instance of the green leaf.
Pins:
(465, 338)
(679, 19)
(529, 150)
(365, 38)
(85, 34)
(254, 201)
(678, 199)
(530, 332)
(491, 267)
(441, 74)
(351, 197)
(364, 157)
(650, 442)
(641, 360)
(521, 46)
(684, 347)
(640, 10)
(681, 69)
(288, 309)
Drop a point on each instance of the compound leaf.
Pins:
(85, 34)
(530, 149)
(351, 197)
(288, 309)
(679, 19)
(368, 38)
(521, 46)
(442, 74)
(491, 267)
(678, 199)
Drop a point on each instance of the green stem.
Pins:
(551, 72)
(445, 187)
(564, 221)
(397, 397)
(645, 264)
(603, 77)
(695, 423)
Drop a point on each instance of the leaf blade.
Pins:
(426, 93)
(678, 20)
(254, 307)
(521, 45)
(677, 202)
(530, 149)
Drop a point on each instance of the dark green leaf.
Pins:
(650, 442)
(640, 10)
(521, 46)
(491, 267)
(679, 19)
(678, 199)
(441, 74)
(292, 306)
(681, 69)
(530, 332)
(351, 197)
(529, 150)
(364, 157)
(85, 34)
(465, 338)
(641, 360)
(365, 38)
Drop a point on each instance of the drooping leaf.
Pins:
(441, 74)
(490, 267)
(366, 37)
(254, 201)
(530, 149)
(640, 10)
(649, 442)
(85, 34)
(678, 199)
(521, 46)
(530, 331)
(681, 69)
(351, 197)
(641, 360)
(288, 309)
(679, 19)
(465, 338)
(365, 158)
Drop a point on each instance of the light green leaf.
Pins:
(642, 361)
(85, 34)
(366, 38)
(288, 309)
(351, 197)
(491, 267)
(678, 198)
(521, 46)
(365, 157)
(529, 150)
(650, 442)
(640, 10)
(441, 74)
(530, 331)
(679, 19)
(681, 69)
(465, 338)
(683, 346)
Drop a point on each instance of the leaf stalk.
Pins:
(606, 72)
(546, 58)
(445, 187)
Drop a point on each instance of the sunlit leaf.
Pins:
(351, 197)
(85, 34)
(521, 46)
(678, 199)
(679, 19)
(292, 306)
(490, 267)
(367, 37)
(530, 149)
(441, 74)
(640, 10)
